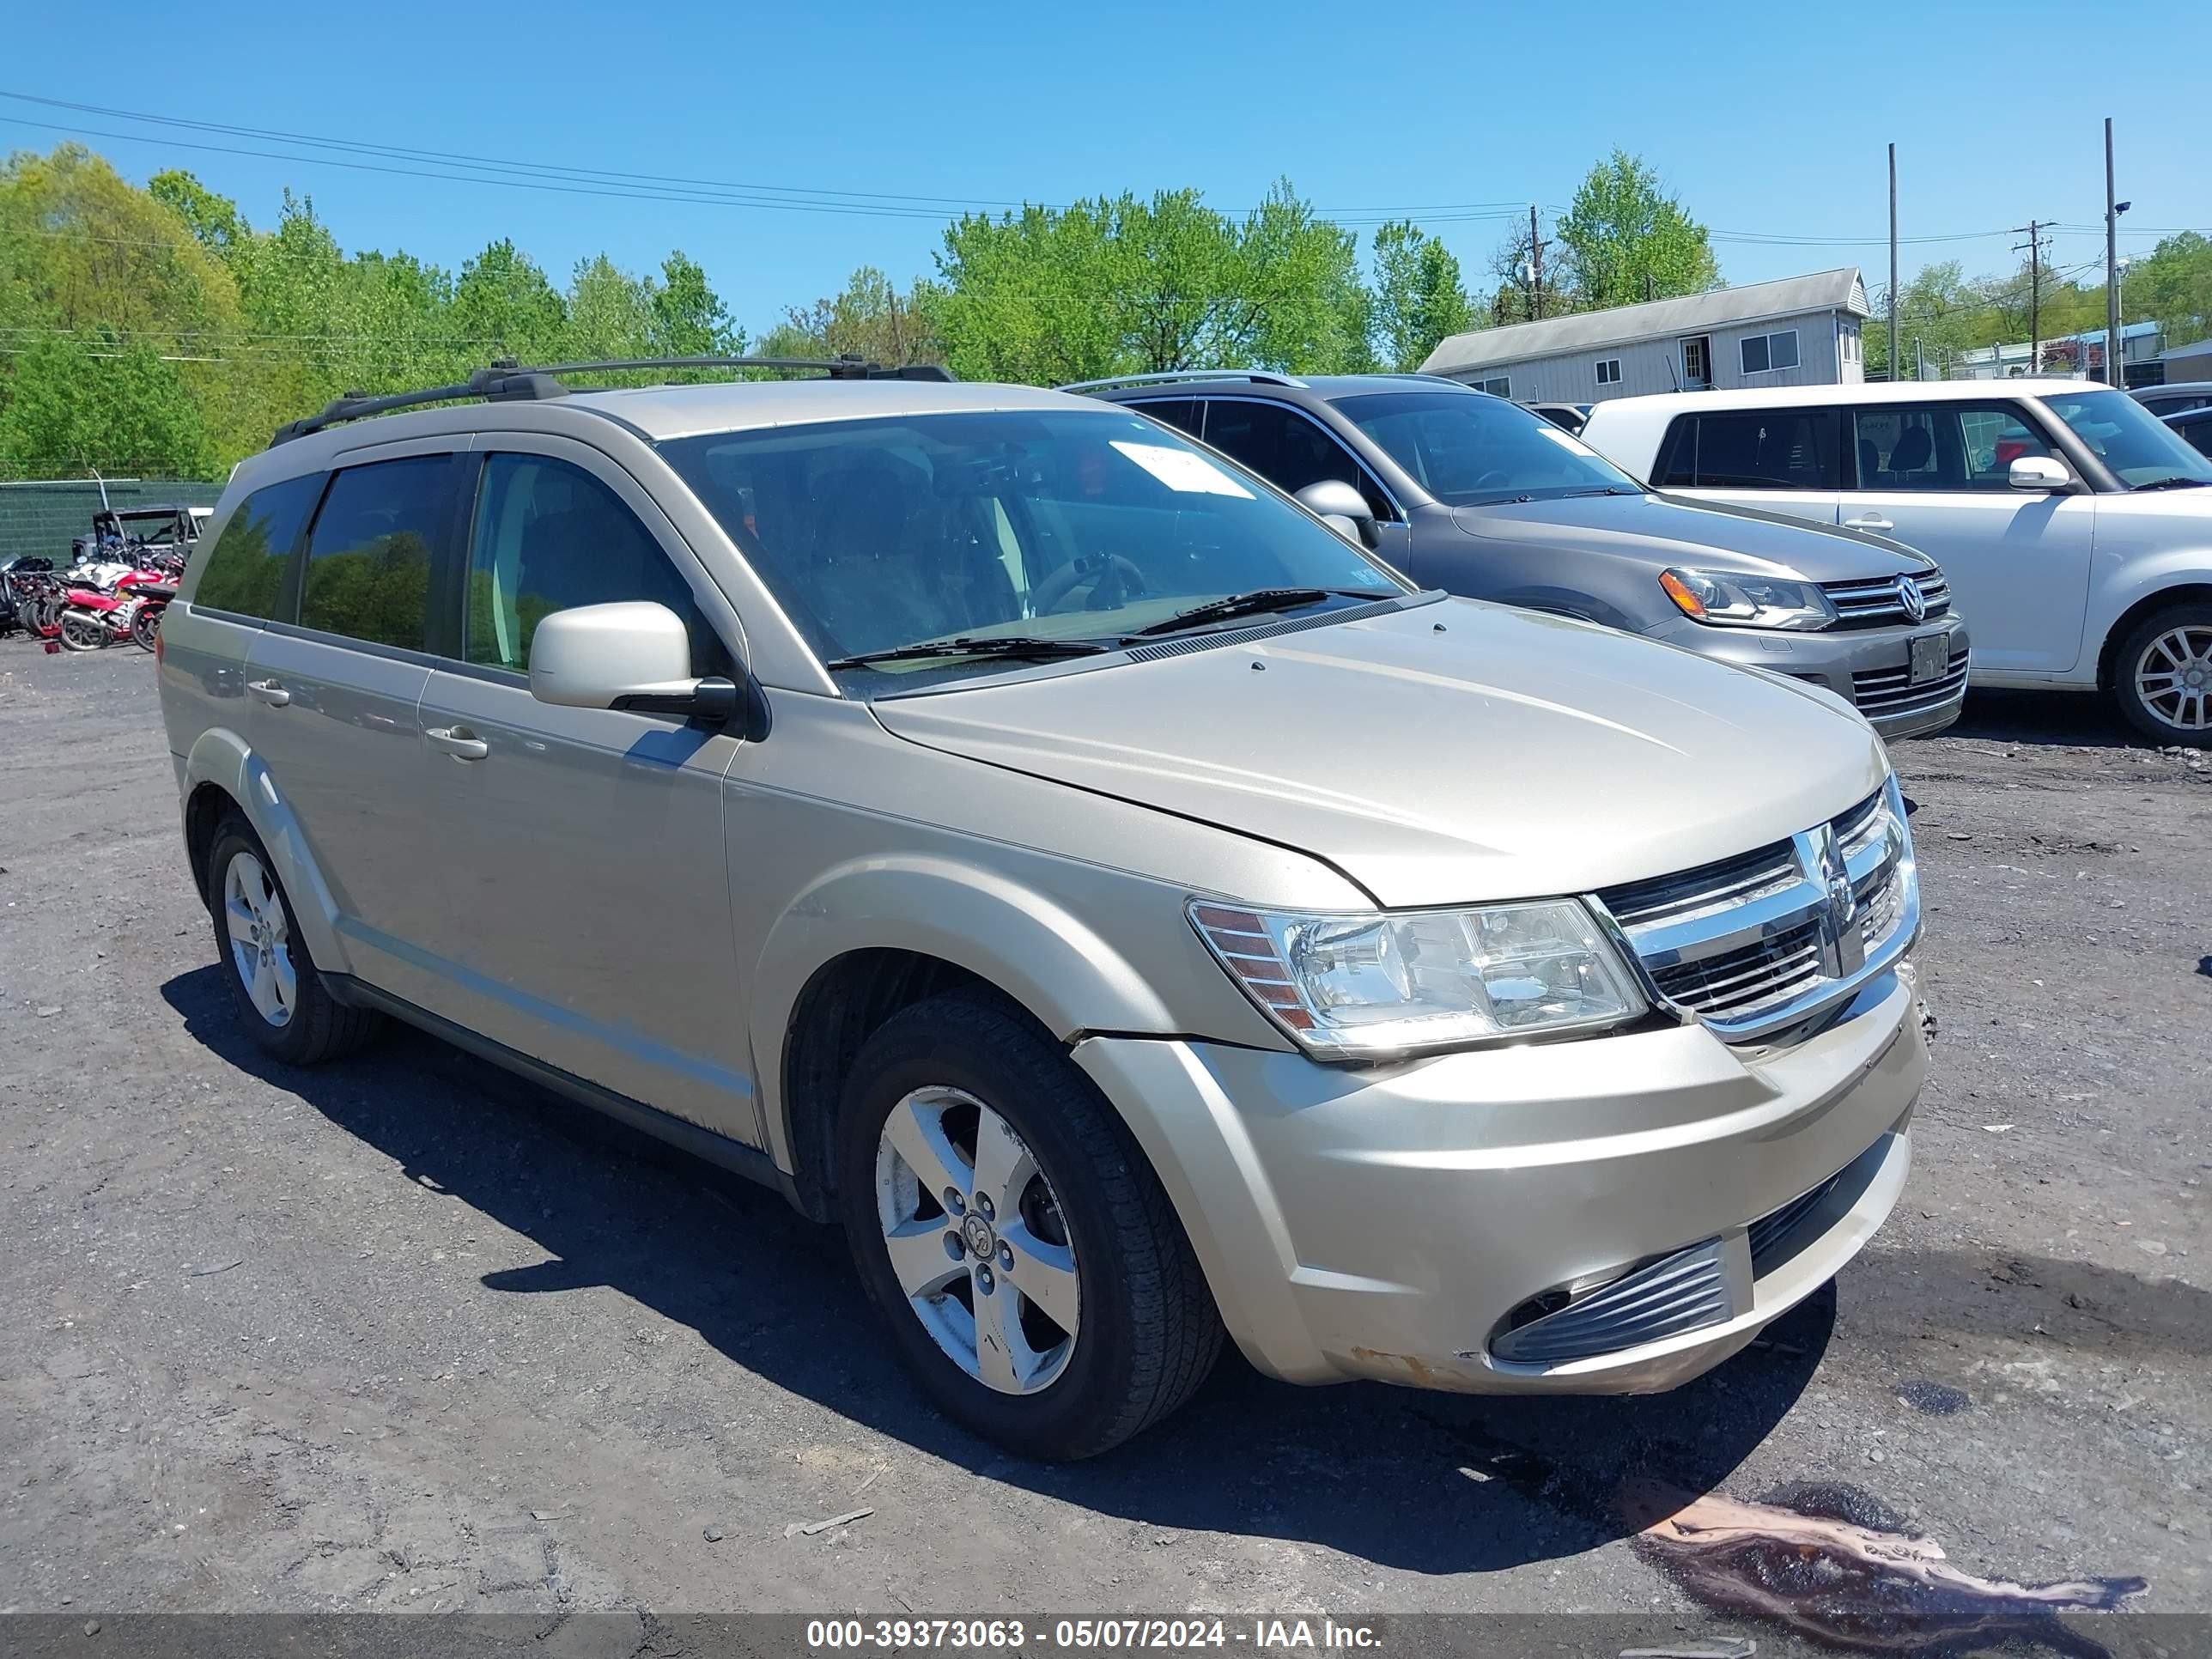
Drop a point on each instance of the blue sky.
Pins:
(1770, 120)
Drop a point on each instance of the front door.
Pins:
(1696, 363)
(1935, 475)
(577, 853)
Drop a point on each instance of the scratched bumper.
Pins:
(1389, 1223)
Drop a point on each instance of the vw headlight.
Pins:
(1732, 600)
(1376, 985)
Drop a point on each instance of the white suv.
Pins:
(2076, 528)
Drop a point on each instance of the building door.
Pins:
(1696, 363)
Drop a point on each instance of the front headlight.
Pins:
(1731, 600)
(1375, 986)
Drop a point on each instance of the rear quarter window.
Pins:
(246, 570)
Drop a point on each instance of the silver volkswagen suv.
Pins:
(1016, 834)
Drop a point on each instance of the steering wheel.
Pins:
(1496, 478)
(1115, 579)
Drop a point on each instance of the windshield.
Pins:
(1039, 525)
(1465, 447)
(2140, 448)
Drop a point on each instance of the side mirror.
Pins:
(1344, 508)
(634, 656)
(2039, 472)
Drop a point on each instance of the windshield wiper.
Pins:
(1258, 599)
(1601, 490)
(1003, 646)
(2177, 482)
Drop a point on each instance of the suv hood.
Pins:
(1447, 753)
(1664, 530)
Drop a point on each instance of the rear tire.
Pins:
(1120, 1329)
(80, 632)
(146, 627)
(275, 987)
(2162, 676)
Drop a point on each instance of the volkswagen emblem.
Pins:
(1914, 601)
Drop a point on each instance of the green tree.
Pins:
(868, 317)
(689, 317)
(2172, 284)
(1419, 296)
(1625, 239)
(214, 220)
(504, 307)
(89, 400)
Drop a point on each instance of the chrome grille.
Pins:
(1890, 691)
(1753, 943)
(1876, 602)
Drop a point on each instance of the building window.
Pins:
(1500, 387)
(1765, 352)
(1608, 371)
(1850, 345)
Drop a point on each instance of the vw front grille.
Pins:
(1757, 942)
(1879, 602)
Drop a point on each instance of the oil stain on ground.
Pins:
(1831, 1564)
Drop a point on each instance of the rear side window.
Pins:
(549, 537)
(246, 567)
(1755, 449)
(368, 558)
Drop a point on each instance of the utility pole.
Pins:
(1896, 368)
(2112, 276)
(1535, 268)
(2033, 228)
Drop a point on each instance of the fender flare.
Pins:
(1020, 940)
(220, 756)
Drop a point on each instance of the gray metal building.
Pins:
(1802, 331)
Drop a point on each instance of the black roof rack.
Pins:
(508, 382)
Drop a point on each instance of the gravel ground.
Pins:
(408, 1333)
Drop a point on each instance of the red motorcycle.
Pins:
(92, 618)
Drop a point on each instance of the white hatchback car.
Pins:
(2075, 526)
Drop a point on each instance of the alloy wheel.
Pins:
(260, 939)
(2173, 678)
(977, 1240)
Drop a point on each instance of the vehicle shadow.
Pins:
(2064, 718)
(1422, 1482)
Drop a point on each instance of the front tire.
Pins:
(146, 627)
(275, 987)
(1032, 1272)
(2162, 677)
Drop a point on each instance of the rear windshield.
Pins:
(1468, 449)
(1075, 524)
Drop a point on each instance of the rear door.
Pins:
(578, 885)
(332, 685)
(1781, 460)
(1936, 475)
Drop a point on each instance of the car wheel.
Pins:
(2163, 676)
(275, 986)
(1032, 1271)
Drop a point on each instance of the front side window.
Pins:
(1755, 449)
(1062, 525)
(2143, 451)
(1468, 451)
(547, 536)
(1286, 448)
(1942, 447)
(2197, 434)
(246, 567)
(368, 557)
(1181, 413)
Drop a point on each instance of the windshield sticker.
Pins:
(1182, 470)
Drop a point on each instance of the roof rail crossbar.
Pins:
(508, 382)
(1257, 376)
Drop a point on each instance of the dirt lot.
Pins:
(408, 1333)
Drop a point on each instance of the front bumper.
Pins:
(1866, 667)
(1394, 1223)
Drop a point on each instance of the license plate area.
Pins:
(1931, 657)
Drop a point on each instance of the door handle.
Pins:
(457, 741)
(1869, 521)
(269, 692)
